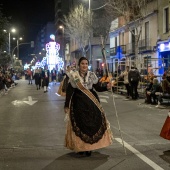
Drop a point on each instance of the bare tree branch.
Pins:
(79, 26)
(133, 13)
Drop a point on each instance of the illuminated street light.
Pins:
(9, 33)
(63, 46)
(17, 45)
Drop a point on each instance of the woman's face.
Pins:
(83, 66)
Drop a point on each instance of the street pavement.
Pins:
(32, 131)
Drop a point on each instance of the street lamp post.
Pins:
(17, 45)
(9, 38)
(89, 4)
(90, 50)
(9, 43)
(63, 46)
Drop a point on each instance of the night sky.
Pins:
(28, 17)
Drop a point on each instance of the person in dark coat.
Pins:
(37, 77)
(66, 79)
(151, 94)
(45, 77)
(134, 78)
(53, 75)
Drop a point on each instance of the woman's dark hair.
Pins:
(82, 58)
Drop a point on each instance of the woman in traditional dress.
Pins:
(64, 83)
(66, 79)
(87, 126)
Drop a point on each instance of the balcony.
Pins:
(144, 46)
(120, 49)
(123, 49)
(113, 51)
(130, 48)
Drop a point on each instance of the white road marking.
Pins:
(140, 155)
(103, 100)
(104, 96)
(30, 102)
(114, 95)
(57, 94)
(16, 102)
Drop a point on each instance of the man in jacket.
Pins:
(134, 78)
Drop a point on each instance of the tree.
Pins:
(133, 13)
(4, 59)
(101, 28)
(18, 66)
(79, 26)
(3, 24)
(102, 22)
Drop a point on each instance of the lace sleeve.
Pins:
(69, 93)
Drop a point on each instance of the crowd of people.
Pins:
(155, 91)
(7, 80)
(87, 126)
(43, 76)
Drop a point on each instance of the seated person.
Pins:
(151, 93)
(118, 81)
(105, 79)
(165, 89)
(149, 87)
(166, 73)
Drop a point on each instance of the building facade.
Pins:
(71, 47)
(43, 38)
(122, 43)
(163, 43)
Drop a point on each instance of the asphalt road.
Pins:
(32, 130)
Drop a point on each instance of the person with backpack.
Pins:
(134, 78)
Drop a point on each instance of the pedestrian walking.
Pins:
(87, 126)
(134, 78)
(66, 79)
(37, 77)
(45, 77)
(64, 83)
(124, 75)
(29, 76)
(53, 75)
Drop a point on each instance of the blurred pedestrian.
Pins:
(37, 77)
(124, 75)
(53, 75)
(133, 78)
(45, 77)
(29, 75)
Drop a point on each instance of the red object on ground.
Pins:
(165, 132)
